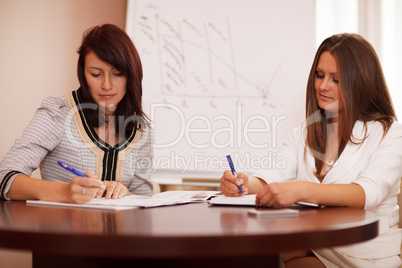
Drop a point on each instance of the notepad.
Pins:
(244, 200)
(274, 213)
(249, 200)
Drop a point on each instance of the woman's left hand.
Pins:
(113, 190)
(280, 194)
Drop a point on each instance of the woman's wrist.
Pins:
(255, 184)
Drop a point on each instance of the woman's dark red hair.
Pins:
(112, 45)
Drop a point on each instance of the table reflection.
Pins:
(233, 222)
(20, 216)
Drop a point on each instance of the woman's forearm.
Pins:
(27, 188)
(348, 195)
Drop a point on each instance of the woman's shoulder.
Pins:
(376, 130)
(54, 106)
(395, 126)
(395, 129)
(54, 102)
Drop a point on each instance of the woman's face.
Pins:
(326, 83)
(107, 85)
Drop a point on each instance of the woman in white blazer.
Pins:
(348, 152)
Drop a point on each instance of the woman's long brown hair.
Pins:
(364, 94)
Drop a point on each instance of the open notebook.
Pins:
(247, 200)
(134, 201)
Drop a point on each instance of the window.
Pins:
(335, 16)
(391, 56)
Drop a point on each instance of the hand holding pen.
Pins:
(82, 188)
(232, 183)
(108, 189)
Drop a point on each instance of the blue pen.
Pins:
(233, 171)
(70, 168)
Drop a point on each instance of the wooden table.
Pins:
(192, 235)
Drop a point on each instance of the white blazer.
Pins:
(376, 165)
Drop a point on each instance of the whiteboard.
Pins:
(222, 77)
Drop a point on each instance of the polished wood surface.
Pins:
(176, 232)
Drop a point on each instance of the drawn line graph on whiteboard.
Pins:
(197, 59)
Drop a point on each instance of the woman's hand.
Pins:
(280, 194)
(285, 194)
(113, 190)
(229, 183)
(82, 189)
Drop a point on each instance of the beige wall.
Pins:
(38, 44)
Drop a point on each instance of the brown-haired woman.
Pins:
(99, 128)
(348, 152)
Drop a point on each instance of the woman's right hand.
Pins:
(82, 189)
(229, 183)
